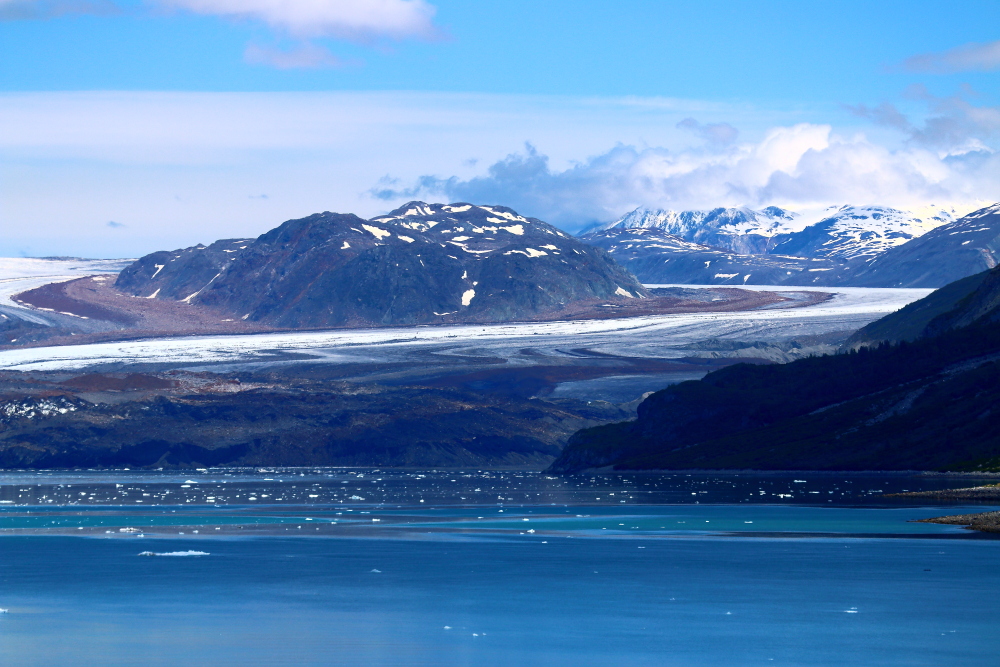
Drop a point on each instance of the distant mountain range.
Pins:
(422, 263)
(927, 402)
(848, 245)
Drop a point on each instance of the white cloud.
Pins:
(966, 58)
(354, 20)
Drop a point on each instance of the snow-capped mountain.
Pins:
(843, 232)
(852, 232)
(740, 230)
(951, 251)
(805, 249)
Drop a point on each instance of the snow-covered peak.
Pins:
(686, 224)
(482, 231)
(850, 232)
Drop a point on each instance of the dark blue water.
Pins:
(454, 583)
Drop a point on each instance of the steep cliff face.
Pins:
(419, 264)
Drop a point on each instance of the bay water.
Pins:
(378, 567)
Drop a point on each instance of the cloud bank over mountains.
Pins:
(801, 167)
(181, 168)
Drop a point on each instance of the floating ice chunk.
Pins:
(852, 610)
(176, 554)
(3, 611)
(376, 571)
(376, 231)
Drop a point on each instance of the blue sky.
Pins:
(184, 120)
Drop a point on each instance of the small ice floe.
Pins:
(129, 530)
(447, 627)
(376, 571)
(3, 611)
(175, 553)
(852, 610)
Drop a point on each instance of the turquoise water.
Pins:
(389, 580)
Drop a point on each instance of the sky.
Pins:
(128, 126)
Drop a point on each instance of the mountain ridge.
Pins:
(849, 245)
(422, 263)
(922, 405)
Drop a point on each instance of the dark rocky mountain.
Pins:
(929, 404)
(945, 254)
(914, 320)
(422, 263)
